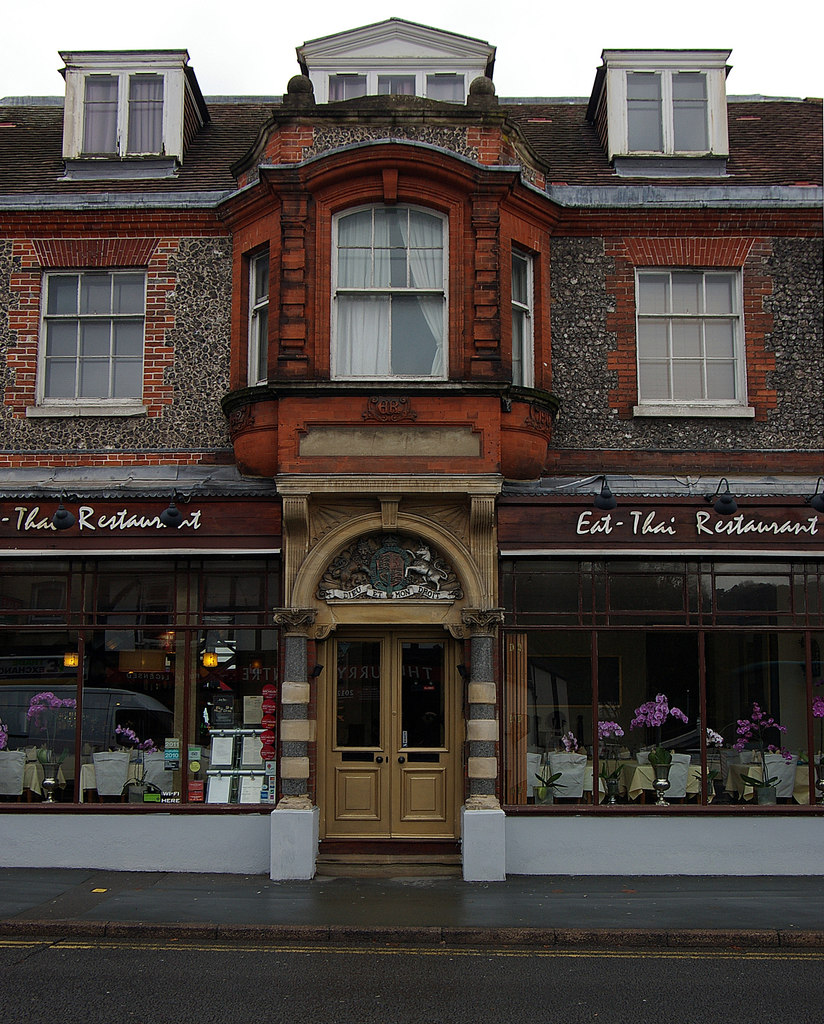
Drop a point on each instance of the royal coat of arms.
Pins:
(389, 566)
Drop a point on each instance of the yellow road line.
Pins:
(769, 953)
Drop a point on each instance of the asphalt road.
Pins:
(79, 981)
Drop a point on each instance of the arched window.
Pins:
(389, 294)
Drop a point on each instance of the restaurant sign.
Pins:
(31, 518)
(666, 526)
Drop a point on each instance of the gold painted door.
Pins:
(391, 737)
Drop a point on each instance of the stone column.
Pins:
(295, 821)
(482, 820)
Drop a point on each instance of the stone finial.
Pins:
(482, 93)
(299, 92)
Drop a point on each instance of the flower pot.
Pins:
(819, 783)
(766, 795)
(661, 782)
(612, 791)
(50, 781)
(543, 795)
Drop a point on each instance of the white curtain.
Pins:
(426, 271)
(145, 114)
(363, 336)
(100, 114)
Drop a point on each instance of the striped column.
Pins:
(297, 730)
(482, 731)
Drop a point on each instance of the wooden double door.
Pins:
(390, 736)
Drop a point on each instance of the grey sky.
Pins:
(249, 48)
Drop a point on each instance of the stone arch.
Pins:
(476, 592)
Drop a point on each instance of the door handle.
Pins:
(401, 760)
(379, 760)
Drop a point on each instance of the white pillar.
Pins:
(294, 843)
(483, 844)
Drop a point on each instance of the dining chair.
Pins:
(784, 771)
(111, 769)
(12, 767)
(678, 776)
(572, 768)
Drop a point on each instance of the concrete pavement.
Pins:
(545, 910)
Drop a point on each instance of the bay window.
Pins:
(389, 294)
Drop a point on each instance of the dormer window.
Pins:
(662, 112)
(395, 58)
(128, 113)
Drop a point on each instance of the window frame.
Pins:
(712, 64)
(667, 112)
(736, 406)
(79, 403)
(371, 78)
(258, 347)
(337, 291)
(122, 146)
(526, 312)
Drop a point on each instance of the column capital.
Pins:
(482, 621)
(297, 621)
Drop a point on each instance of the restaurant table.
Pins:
(735, 784)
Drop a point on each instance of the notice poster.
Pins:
(250, 758)
(223, 710)
(250, 786)
(252, 710)
(196, 791)
(171, 755)
(223, 748)
(219, 789)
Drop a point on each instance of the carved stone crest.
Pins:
(389, 567)
(389, 409)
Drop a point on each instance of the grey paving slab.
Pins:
(571, 904)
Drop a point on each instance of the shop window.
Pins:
(689, 339)
(389, 294)
(259, 318)
(578, 691)
(522, 305)
(346, 87)
(92, 339)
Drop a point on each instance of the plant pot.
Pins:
(612, 789)
(766, 795)
(661, 782)
(543, 795)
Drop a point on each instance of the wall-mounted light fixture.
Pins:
(463, 672)
(62, 518)
(171, 516)
(723, 503)
(316, 671)
(605, 500)
(210, 659)
(71, 659)
(816, 499)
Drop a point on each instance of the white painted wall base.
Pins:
(699, 845)
(231, 843)
(294, 844)
(483, 845)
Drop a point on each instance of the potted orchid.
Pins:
(44, 712)
(753, 730)
(129, 740)
(4, 735)
(652, 715)
(818, 712)
(610, 768)
(547, 785)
